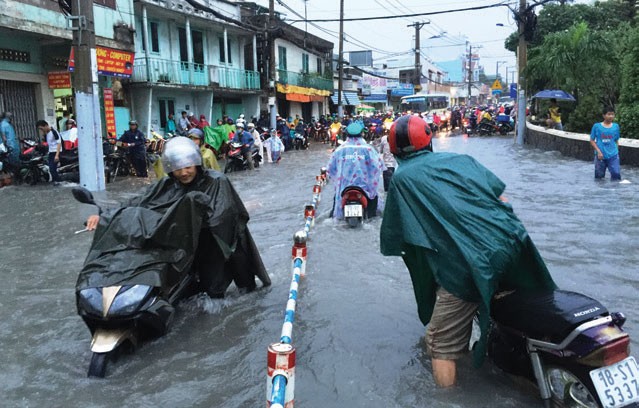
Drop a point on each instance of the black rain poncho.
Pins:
(443, 215)
(203, 223)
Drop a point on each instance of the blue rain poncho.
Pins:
(355, 163)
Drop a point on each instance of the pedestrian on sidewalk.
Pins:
(554, 116)
(9, 138)
(604, 138)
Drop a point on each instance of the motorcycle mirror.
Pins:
(83, 195)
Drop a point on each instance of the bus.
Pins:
(434, 102)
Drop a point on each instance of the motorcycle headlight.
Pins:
(91, 300)
(129, 299)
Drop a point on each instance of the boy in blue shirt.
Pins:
(604, 138)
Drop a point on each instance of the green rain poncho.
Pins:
(443, 215)
(215, 136)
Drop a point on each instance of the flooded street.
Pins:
(358, 337)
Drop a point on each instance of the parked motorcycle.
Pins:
(569, 344)
(354, 205)
(235, 160)
(135, 273)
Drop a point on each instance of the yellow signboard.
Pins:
(496, 84)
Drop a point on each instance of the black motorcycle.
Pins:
(138, 268)
(568, 344)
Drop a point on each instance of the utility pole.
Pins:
(340, 64)
(418, 63)
(271, 64)
(522, 58)
(470, 72)
(87, 102)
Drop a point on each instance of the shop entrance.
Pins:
(19, 98)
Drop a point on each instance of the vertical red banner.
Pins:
(109, 111)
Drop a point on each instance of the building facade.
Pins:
(198, 60)
(34, 58)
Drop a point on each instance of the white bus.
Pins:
(434, 102)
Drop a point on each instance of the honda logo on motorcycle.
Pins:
(585, 312)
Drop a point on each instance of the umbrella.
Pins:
(554, 93)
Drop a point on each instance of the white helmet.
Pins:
(180, 152)
(251, 125)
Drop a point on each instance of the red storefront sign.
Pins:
(59, 80)
(111, 62)
(109, 111)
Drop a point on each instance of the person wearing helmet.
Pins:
(459, 240)
(135, 141)
(225, 251)
(246, 139)
(356, 163)
(257, 140)
(208, 158)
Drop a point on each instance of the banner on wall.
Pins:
(109, 112)
(59, 80)
(111, 62)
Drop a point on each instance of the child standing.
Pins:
(604, 138)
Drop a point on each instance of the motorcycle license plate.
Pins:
(353, 210)
(617, 385)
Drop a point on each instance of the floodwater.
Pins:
(358, 338)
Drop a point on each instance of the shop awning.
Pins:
(348, 98)
(295, 97)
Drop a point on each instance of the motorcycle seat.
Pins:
(547, 315)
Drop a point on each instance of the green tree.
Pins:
(628, 108)
(581, 61)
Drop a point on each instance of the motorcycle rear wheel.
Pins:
(354, 222)
(570, 388)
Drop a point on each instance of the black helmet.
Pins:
(133, 122)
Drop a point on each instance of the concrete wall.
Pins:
(294, 57)
(44, 19)
(577, 145)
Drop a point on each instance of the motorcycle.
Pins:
(235, 160)
(486, 127)
(354, 205)
(567, 343)
(334, 137)
(69, 167)
(505, 124)
(126, 294)
(300, 141)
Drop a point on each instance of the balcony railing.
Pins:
(184, 73)
(305, 80)
(235, 78)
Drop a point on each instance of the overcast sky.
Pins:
(390, 37)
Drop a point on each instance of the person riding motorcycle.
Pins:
(225, 251)
(247, 141)
(356, 163)
(335, 130)
(461, 242)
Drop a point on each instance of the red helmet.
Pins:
(409, 134)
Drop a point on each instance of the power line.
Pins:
(432, 13)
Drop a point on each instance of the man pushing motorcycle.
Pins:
(460, 241)
(225, 251)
